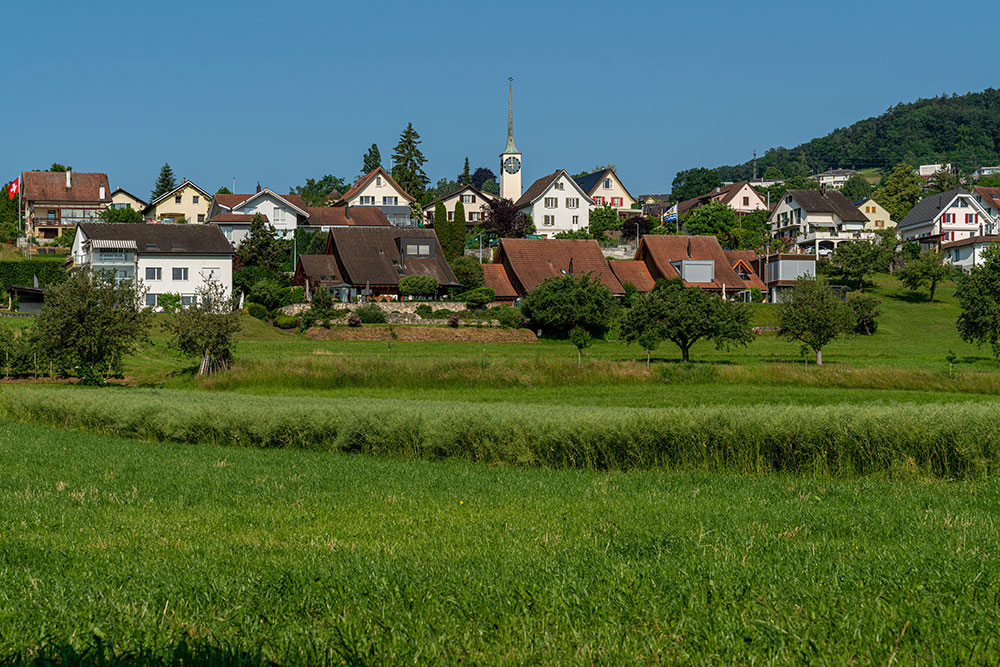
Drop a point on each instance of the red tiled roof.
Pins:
(236, 217)
(495, 278)
(724, 195)
(990, 195)
(335, 216)
(50, 186)
(534, 260)
(662, 250)
(361, 182)
(631, 271)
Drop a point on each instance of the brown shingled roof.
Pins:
(530, 261)
(658, 251)
(495, 278)
(831, 201)
(50, 186)
(319, 269)
(161, 237)
(335, 216)
(371, 255)
(631, 271)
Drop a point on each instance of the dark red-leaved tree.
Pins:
(505, 220)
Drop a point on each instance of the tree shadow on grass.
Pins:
(910, 297)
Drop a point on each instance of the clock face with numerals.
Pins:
(511, 165)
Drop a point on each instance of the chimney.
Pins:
(69, 179)
(258, 186)
(347, 212)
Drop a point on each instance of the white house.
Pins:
(945, 217)
(967, 254)
(834, 178)
(160, 257)
(985, 171)
(556, 203)
(377, 188)
(232, 214)
(474, 201)
(605, 188)
(741, 197)
(817, 221)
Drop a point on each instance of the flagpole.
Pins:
(21, 222)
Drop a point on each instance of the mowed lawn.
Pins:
(311, 557)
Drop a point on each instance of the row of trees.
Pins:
(91, 322)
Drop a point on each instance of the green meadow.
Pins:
(332, 502)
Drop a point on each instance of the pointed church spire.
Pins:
(510, 116)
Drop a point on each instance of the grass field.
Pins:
(308, 558)
(746, 508)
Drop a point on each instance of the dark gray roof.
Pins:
(162, 237)
(831, 201)
(590, 181)
(929, 207)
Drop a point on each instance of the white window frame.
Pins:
(157, 273)
(184, 273)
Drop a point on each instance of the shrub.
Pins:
(441, 313)
(353, 320)
(256, 310)
(866, 310)
(478, 298)
(756, 295)
(169, 302)
(370, 313)
(418, 285)
(425, 311)
(508, 317)
(286, 321)
(248, 276)
(322, 302)
(564, 302)
(453, 320)
(269, 293)
(49, 272)
(468, 270)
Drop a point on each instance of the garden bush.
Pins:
(508, 317)
(286, 321)
(353, 320)
(371, 313)
(256, 310)
(425, 311)
(477, 299)
(418, 285)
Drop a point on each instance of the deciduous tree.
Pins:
(712, 219)
(691, 183)
(90, 323)
(604, 219)
(927, 270)
(563, 302)
(857, 188)
(978, 296)
(814, 315)
(504, 220)
(856, 259)
(207, 329)
(899, 191)
(317, 192)
(120, 215)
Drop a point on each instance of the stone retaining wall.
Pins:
(387, 306)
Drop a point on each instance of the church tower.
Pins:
(510, 159)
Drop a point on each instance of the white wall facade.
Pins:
(609, 190)
(563, 207)
(200, 268)
(816, 232)
(280, 215)
(962, 219)
(379, 192)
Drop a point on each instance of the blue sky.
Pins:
(278, 92)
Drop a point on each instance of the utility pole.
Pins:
(755, 165)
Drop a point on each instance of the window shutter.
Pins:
(473, 199)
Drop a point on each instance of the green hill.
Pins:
(961, 129)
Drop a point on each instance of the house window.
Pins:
(970, 218)
(154, 273)
(390, 201)
(177, 199)
(194, 199)
(451, 215)
(475, 215)
(50, 215)
(468, 199)
(572, 202)
(576, 220)
(201, 217)
(367, 201)
(418, 250)
(151, 300)
(549, 220)
(607, 183)
(746, 201)
(551, 202)
(179, 273)
(559, 185)
(616, 201)
(278, 215)
(378, 181)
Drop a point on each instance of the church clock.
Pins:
(512, 165)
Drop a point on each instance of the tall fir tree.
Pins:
(465, 178)
(441, 227)
(372, 160)
(456, 236)
(408, 164)
(165, 182)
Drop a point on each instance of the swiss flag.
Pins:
(13, 187)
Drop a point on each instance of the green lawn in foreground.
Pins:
(445, 562)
